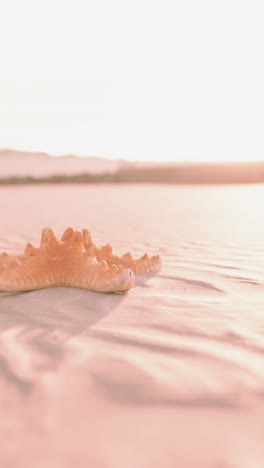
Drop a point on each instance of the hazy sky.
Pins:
(142, 79)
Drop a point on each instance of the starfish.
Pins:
(73, 261)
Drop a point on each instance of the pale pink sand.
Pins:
(170, 374)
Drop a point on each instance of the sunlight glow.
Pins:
(142, 80)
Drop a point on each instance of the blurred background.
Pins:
(144, 81)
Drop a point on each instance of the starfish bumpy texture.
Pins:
(73, 261)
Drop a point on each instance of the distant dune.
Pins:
(195, 173)
(21, 164)
(24, 167)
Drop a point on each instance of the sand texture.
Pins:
(168, 375)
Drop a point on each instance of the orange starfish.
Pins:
(73, 261)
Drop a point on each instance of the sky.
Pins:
(144, 80)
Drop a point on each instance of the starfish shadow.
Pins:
(68, 310)
(35, 328)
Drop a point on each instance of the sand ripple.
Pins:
(170, 374)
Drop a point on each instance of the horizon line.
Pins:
(141, 161)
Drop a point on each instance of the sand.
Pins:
(170, 374)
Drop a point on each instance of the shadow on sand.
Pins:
(69, 310)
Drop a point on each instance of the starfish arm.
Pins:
(145, 264)
(102, 278)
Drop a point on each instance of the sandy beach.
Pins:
(170, 374)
